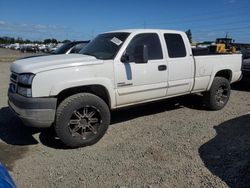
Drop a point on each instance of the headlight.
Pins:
(26, 79)
(27, 92)
(24, 84)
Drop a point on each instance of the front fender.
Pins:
(52, 82)
(59, 87)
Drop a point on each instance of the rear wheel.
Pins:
(218, 95)
(82, 120)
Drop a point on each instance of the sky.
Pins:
(82, 20)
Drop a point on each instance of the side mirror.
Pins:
(125, 58)
(141, 54)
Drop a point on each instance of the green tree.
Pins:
(27, 41)
(37, 42)
(54, 41)
(65, 41)
(47, 41)
(189, 35)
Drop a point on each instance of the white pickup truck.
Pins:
(75, 93)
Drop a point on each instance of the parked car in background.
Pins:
(245, 63)
(245, 53)
(5, 179)
(67, 48)
(29, 48)
(15, 46)
(70, 47)
(246, 67)
(42, 47)
(53, 47)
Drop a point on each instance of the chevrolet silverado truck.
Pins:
(75, 93)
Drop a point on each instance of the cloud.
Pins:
(2, 22)
(39, 31)
(28, 29)
(41, 26)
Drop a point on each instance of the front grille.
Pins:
(13, 82)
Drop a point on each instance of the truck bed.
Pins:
(207, 66)
(205, 51)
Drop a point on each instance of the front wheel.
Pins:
(82, 120)
(218, 95)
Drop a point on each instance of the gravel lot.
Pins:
(171, 143)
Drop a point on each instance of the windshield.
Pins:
(105, 46)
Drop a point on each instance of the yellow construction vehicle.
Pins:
(222, 46)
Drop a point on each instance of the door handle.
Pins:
(162, 67)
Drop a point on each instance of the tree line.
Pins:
(12, 40)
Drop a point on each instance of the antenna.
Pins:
(226, 35)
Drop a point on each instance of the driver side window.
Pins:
(151, 40)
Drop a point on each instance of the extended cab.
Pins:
(76, 92)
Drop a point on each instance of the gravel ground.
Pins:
(8, 55)
(171, 143)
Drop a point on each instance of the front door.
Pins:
(137, 82)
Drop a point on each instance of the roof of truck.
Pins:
(145, 31)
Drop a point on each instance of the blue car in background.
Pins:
(5, 179)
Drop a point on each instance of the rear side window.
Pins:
(175, 45)
(151, 40)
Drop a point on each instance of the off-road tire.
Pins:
(68, 108)
(220, 86)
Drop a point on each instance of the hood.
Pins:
(45, 63)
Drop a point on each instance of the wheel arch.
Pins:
(96, 89)
(225, 73)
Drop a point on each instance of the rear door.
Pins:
(136, 82)
(180, 64)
